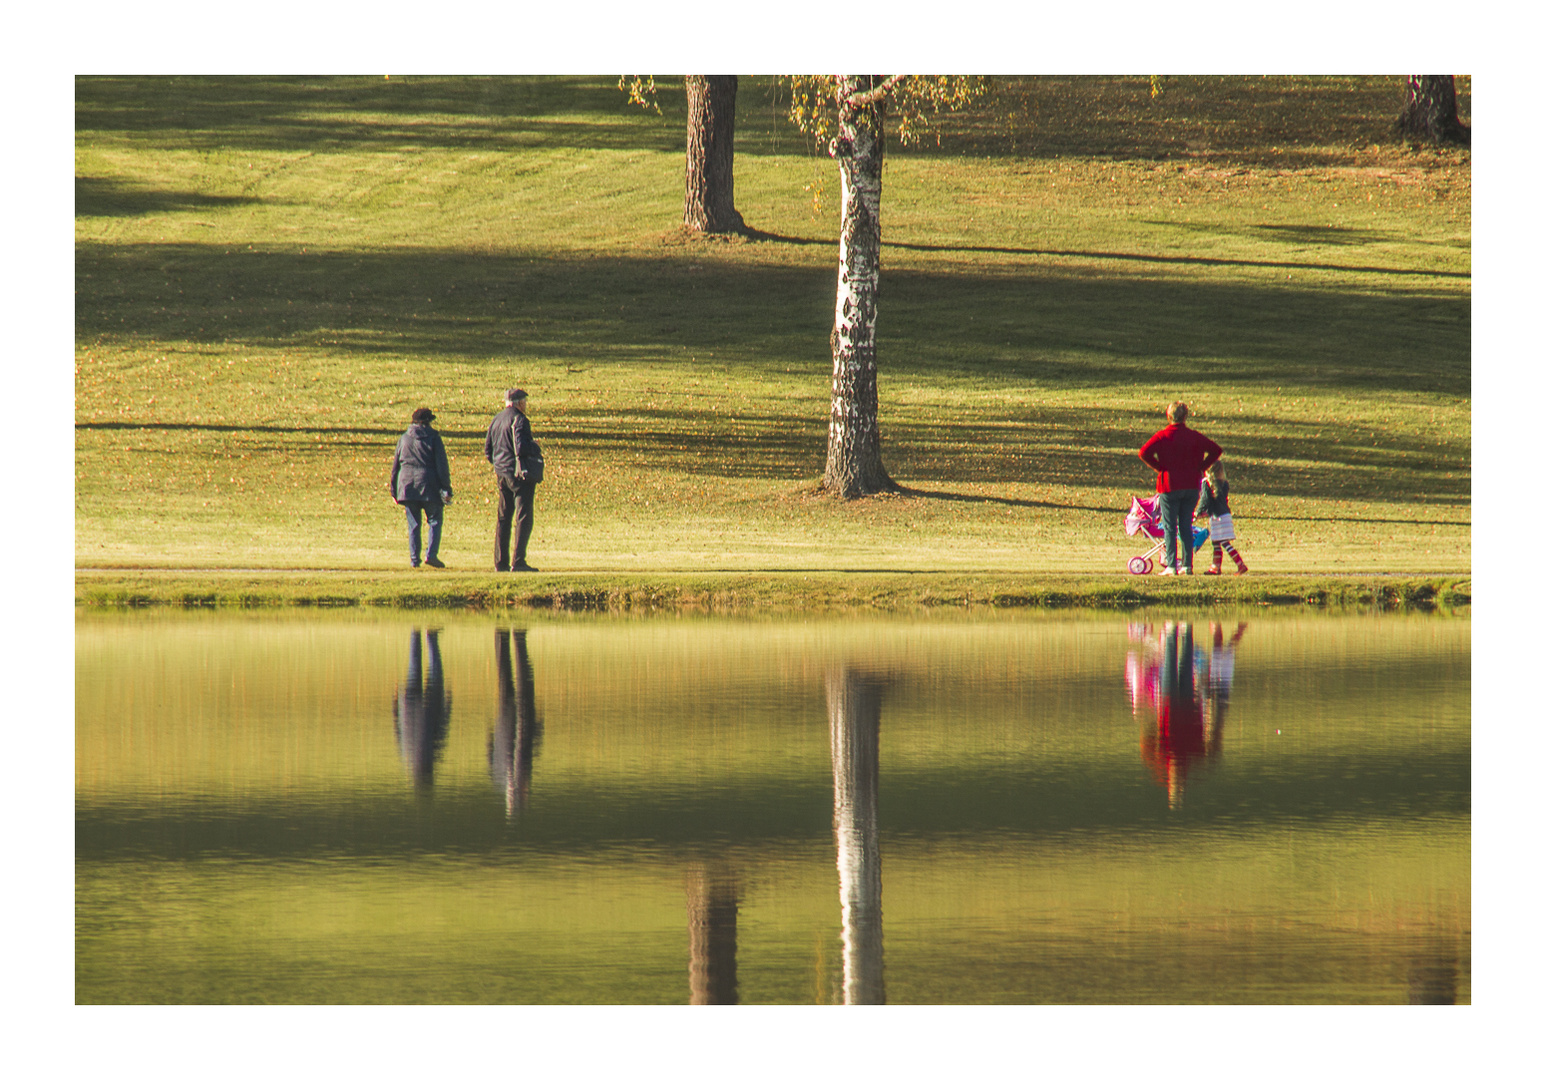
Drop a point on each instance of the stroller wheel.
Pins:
(1139, 565)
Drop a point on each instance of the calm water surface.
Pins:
(277, 808)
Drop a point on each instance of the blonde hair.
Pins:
(1216, 473)
(1177, 412)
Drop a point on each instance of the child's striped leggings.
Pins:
(1221, 546)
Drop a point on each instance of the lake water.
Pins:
(1006, 808)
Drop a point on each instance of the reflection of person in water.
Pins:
(1218, 675)
(513, 742)
(1188, 692)
(422, 711)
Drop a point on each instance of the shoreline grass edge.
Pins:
(733, 593)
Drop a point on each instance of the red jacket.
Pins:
(1180, 456)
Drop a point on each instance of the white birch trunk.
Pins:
(853, 710)
(853, 433)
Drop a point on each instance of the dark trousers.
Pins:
(430, 511)
(1176, 508)
(1177, 676)
(515, 507)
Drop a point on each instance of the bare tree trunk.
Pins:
(853, 710)
(1432, 113)
(853, 432)
(710, 206)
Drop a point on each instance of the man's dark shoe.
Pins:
(436, 563)
(523, 566)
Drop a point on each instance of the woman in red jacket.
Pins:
(1179, 456)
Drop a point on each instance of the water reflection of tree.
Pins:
(714, 893)
(1186, 689)
(853, 711)
(512, 745)
(713, 904)
(1433, 980)
(421, 713)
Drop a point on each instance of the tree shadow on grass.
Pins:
(1037, 504)
(343, 113)
(1192, 260)
(1096, 448)
(274, 429)
(1305, 236)
(999, 500)
(1271, 121)
(1030, 323)
(1268, 121)
(101, 197)
(1017, 330)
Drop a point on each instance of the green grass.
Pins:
(761, 591)
(272, 273)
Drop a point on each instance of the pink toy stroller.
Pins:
(1144, 519)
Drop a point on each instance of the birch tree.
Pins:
(848, 113)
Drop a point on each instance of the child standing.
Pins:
(1215, 503)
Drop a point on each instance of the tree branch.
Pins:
(874, 94)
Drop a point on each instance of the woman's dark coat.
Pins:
(420, 471)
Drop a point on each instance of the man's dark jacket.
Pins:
(509, 442)
(420, 471)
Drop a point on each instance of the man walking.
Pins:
(1179, 456)
(517, 461)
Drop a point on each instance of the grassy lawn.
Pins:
(271, 274)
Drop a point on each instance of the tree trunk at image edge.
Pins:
(854, 468)
(710, 205)
(1432, 113)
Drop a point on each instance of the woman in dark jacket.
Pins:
(421, 484)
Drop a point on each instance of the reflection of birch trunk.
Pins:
(853, 708)
(512, 743)
(711, 913)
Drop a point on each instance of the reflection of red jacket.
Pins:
(1177, 739)
(1180, 456)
